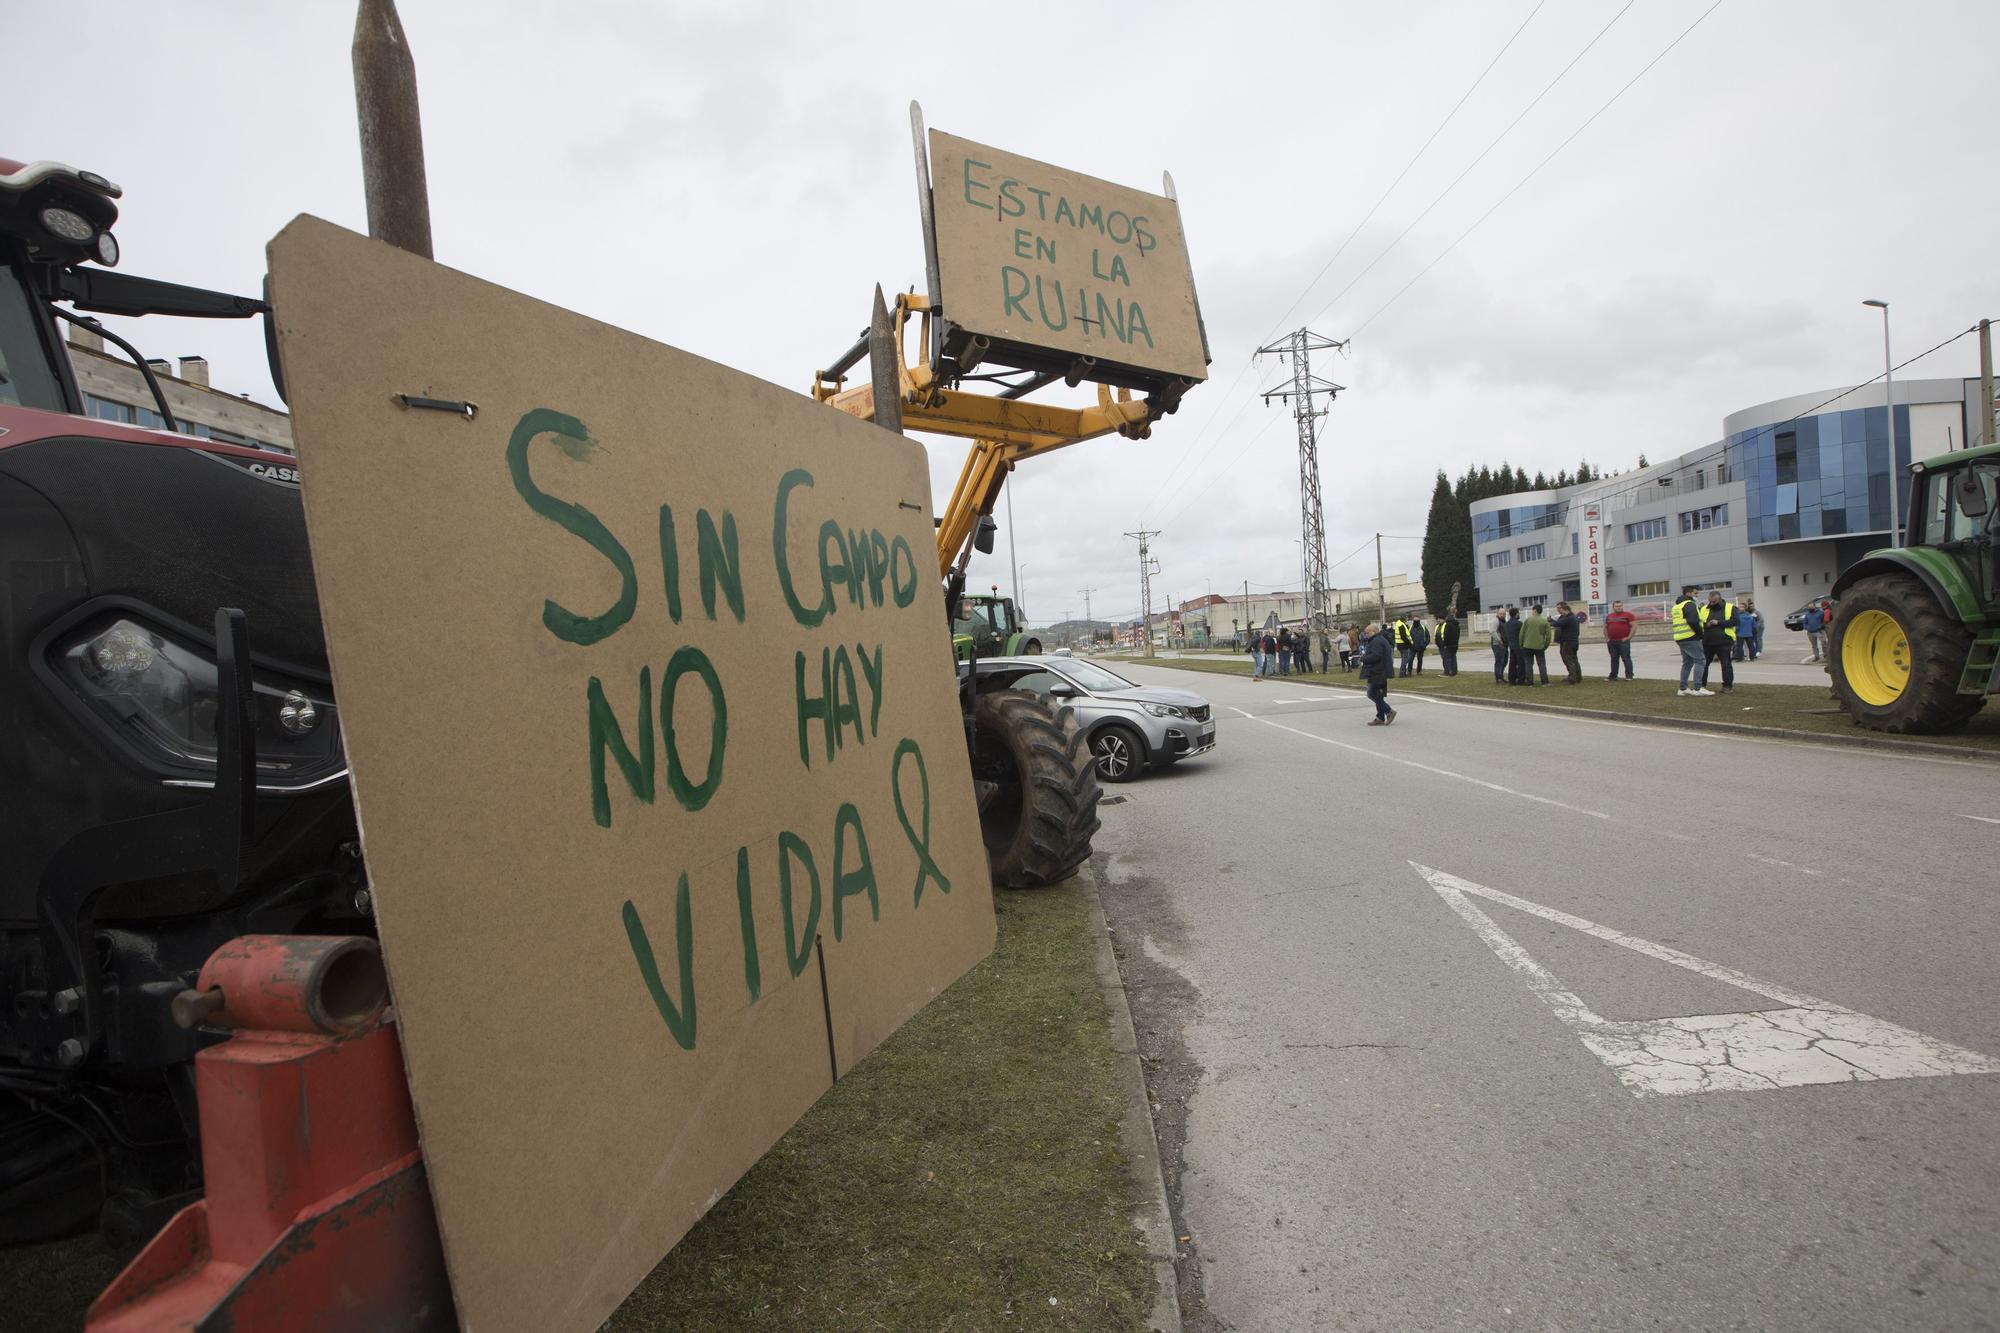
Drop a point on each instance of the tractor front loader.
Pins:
(1916, 636)
(1036, 783)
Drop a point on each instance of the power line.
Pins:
(1376, 207)
(1539, 165)
(1560, 75)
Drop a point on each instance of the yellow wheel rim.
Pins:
(1875, 654)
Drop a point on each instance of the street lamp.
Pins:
(1889, 396)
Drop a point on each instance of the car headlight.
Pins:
(162, 697)
(1164, 710)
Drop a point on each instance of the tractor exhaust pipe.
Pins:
(392, 130)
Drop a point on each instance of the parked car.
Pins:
(1132, 728)
(1797, 619)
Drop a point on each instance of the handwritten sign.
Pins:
(1034, 254)
(655, 741)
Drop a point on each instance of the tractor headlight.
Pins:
(107, 249)
(66, 224)
(1164, 710)
(161, 697)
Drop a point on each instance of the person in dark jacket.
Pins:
(1375, 659)
(1420, 639)
(1517, 662)
(1284, 652)
(1447, 641)
(1568, 626)
(1718, 638)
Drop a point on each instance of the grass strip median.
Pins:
(966, 1175)
(1807, 708)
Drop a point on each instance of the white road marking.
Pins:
(1809, 1041)
(1239, 712)
(1788, 865)
(1981, 818)
(1441, 772)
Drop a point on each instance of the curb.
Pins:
(1867, 742)
(1135, 1128)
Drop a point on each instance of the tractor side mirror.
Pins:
(982, 538)
(1969, 494)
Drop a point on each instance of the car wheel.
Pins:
(1119, 752)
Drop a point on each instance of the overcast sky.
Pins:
(733, 179)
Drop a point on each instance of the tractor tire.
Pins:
(1897, 658)
(1032, 648)
(1039, 824)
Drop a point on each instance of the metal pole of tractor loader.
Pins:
(392, 130)
(1986, 431)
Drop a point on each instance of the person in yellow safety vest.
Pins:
(1718, 640)
(1686, 621)
(1406, 648)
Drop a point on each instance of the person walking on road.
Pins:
(1517, 661)
(1685, 619)
(1536, 635)
(1375, 669)
(1447, 641)
(1815, 627)
(1568, 629)
(1420, 639)
(1618, 638)
(1496, 639)
(1718, 638)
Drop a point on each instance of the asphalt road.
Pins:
(1411, 1104)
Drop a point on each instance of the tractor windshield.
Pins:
(26, 378)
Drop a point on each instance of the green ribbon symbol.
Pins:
(927, 866)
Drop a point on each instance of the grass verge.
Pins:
(1782, 707)
(964, 1176)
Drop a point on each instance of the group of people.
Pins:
(1711, 632)
(1284, 653)
(1289, 652)
(1521, 646)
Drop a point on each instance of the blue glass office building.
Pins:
(1795, 491)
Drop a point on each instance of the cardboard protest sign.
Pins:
(648, 692)
(1031, 253)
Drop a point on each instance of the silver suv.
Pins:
(1131, 727)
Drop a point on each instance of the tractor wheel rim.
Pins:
(1875, 655)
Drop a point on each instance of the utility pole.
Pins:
(1092, 633)
(1381, 597)
(1297, 349)
(1247, 626)
(1986, 381)
(1147, 568)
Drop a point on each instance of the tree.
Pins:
(1643, 462)
(1447, 557)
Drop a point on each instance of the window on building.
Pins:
(1575, 543)
(1535, 599)
(104, 409)
(1767, 580)
(1701, 478)
(1787, 457)
(1723, 474)
(1499, 559)
(1651, 529)
(1715, 516)
(1539, 551)
(1656, 588)
(1784, 579)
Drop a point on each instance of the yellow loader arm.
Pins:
(1004, 430)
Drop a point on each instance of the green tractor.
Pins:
(1917, 631)
(989, 625)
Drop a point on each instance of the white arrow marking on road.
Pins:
(1811, 1041)
(1981, 818)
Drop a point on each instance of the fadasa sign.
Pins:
(1593, 555)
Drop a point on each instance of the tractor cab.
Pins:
(1917, 636)
(989, 625)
